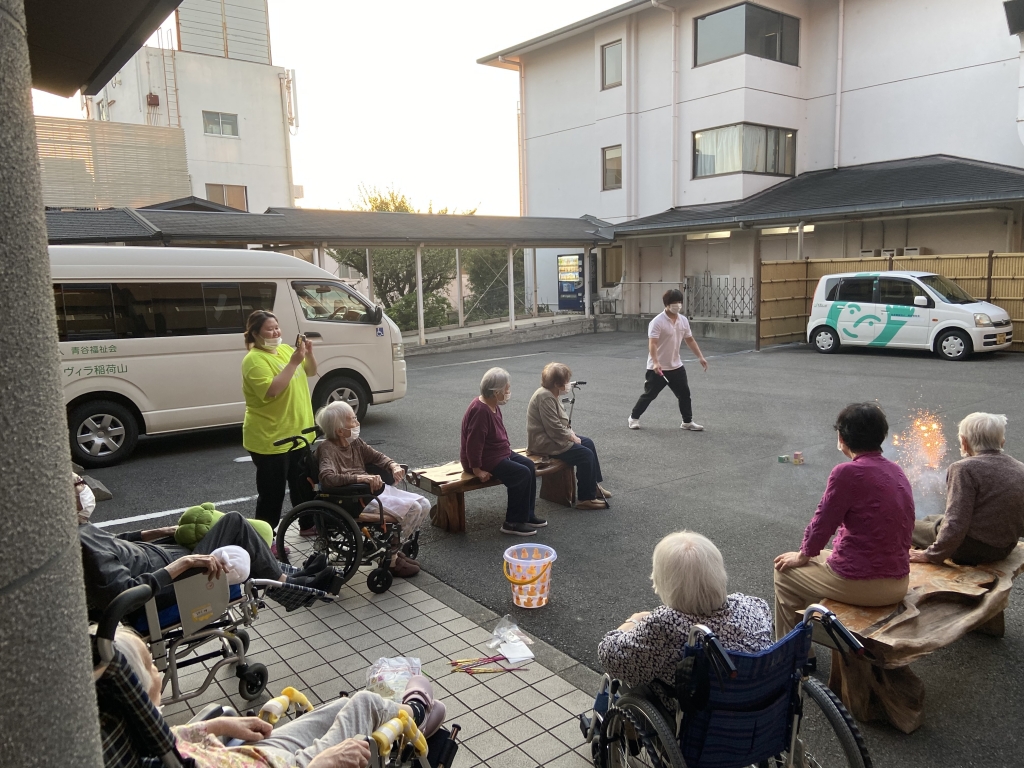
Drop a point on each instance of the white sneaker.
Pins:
(634, 423)
(692, 426)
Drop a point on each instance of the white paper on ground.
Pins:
(516, 652)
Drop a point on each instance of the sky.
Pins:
(391, 94)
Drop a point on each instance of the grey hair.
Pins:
(332, 417)
(132, 646)
(984, 431)
(689, 574)
(494, 382)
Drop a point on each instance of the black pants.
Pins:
(519, 475)
(588, 469)
(273, 472)
(232, 529)
(653, 384)
(970, 552)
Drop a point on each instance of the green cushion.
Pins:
(197, 521)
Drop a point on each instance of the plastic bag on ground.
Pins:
(507, 631)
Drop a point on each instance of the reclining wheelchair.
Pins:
(352, 526)
(733, 709)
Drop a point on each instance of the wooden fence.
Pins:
(787, 287)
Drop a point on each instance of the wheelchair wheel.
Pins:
(336, 536)
(252, 681)
(828, 734)
(379, 580)
(411, 548)
(635, 734)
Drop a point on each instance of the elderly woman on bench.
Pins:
(984, 500)
(869, 506)
(486, 452)
(690, 578)
(345, 459)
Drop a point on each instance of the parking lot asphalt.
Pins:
(725, 483)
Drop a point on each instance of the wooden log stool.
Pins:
(450, 483)
(943, 603)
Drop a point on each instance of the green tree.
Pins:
(394, 269)
(435, 311)
(487, 269)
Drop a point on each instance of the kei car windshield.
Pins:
(948, 291)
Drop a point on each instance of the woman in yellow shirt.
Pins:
(277, 405)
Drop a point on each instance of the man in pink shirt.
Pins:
(665, 335)
(869, 506)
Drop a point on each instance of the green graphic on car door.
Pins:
(896, 318)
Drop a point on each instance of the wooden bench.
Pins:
(450, 483)
(944, 603)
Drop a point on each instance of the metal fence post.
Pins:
(757, 291)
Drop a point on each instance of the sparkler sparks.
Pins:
(921, 452)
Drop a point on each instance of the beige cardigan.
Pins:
(547, 425)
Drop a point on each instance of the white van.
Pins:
(151, 339)
(907, 310)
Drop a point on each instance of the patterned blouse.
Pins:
(652, 648)
(208, 752)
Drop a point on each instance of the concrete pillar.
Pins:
(511, 290)
(586, 281)
(43, 633)
(536, 280)
(458, 287)
(419, 293)
(369, 274)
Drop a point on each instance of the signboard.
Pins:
(570, 282)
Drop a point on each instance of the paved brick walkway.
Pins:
(509, 720)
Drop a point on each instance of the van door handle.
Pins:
(313, 335)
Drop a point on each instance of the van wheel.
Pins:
(342, 388)
(954, 345)
(102, 432)
(825, 340)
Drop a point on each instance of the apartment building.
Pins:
(211, 76)
(710, 133)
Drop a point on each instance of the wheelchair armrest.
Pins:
(355, 490)
(212, 710)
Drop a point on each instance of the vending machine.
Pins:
(570, 282)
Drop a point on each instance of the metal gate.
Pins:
(787, 287)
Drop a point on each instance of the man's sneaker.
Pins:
(633, 423)
(518, 529)
(537, 522)
(692, 426)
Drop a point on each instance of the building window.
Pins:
(220, 124)
(232, 195)
(611, 65)
(746, 28)
(611, 166)
(744, 148)
(611, 267)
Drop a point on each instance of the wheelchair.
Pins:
(351, 524)
(733, 709)
(134, 733)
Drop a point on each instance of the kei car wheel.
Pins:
(954, 345)
(825, 340)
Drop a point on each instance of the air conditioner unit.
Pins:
(891, 253)
(869, 252)
(916, 251)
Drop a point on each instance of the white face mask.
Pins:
(269, 343)
(675, 308)
(88, 501)
(354, 432)
(565, 389)
(504, 397)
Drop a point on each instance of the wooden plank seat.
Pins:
(943, 603)
(450, 483)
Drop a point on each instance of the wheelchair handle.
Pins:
(834, 627)
(713, 647)
(128, 601)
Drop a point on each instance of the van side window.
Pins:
(858, 289)
(897, 292)
(330, 302)
(831, 288)
(148, 310)
(88, 312)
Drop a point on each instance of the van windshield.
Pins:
(948, 291)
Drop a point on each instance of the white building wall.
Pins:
(919, 77)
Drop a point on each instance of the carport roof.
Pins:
(913, 185)
(296, 227)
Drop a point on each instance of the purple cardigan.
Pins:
(484, 440)
(870, 502)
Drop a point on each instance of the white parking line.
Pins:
(166, 512)
(474, 362)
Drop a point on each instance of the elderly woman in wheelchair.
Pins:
(698, 682)
(357, 516)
